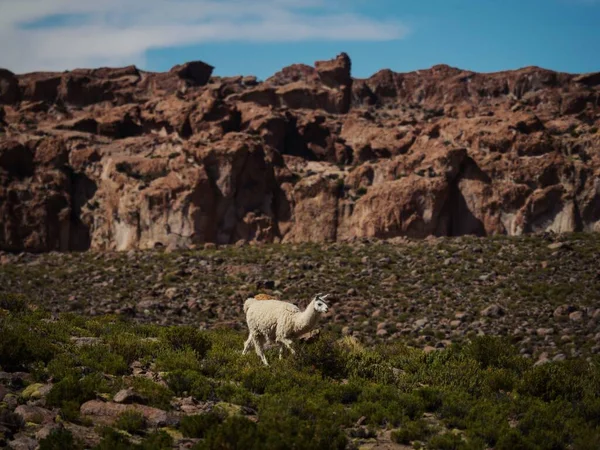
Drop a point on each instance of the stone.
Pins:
(23, 443)
(35, 391)
(107, 413)
(556, 245)
(138, 160)
(35, 414)
(9, 87)
(129, 396)
(563, 310)
(420, 323)
(493, 311)
(576, 316)
(171, 293)
(545, 331)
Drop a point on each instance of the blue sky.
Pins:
(261, 36)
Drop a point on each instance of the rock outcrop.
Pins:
(115, 159)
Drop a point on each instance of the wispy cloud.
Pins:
(64, 34)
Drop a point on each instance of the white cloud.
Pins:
(94, 33)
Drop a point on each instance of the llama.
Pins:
(274, 320)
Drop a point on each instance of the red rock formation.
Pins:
(122, 158)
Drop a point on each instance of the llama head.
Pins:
(320, 305)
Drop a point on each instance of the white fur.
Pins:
(274, 320)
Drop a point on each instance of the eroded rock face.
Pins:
(117, 159)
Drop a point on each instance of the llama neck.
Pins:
(307, 319)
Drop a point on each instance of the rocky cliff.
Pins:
(114, 159)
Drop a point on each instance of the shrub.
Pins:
(169, 360)
(131, 421)
(113, 440)
(235, 433)
(492, 351)
(412, 405)
(566, 380)
(59, 439)
(455, 409)
(324, 355)
(446, 441)
(188, 382)
(70, 389)
(158, 395)
(198, 426)
(411, 431)
(14, 303)
(184, 336)
(158, 440)
(431, 398)
(100, 358)
(20, 345)
(132, 347)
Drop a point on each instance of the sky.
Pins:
(259, 37)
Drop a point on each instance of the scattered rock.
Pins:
(23, 443)
(563, 310)
(107, 413)
(129, 396)
(493, 311)
(35, 414)
(576, 316)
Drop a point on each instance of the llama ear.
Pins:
(323, 297)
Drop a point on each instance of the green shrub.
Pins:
(69, 411)
(512, 440)
(432, 398)
(131, 421)
(158, 440)
(493, 351)
(412, 405)
(567, 380)
(188, 382)
(100, 358)
(343, 393)
(131, 347)
(15, 303)
(446, 441)
(455, 409)
(411, 431)
(113, 440)
(184, 336)
(59, 439)
(199, 425)
(71, 389)
(170, 360)
(21, 345)
(158, 396)
(232, 393)
(324, 355)
(236, 433)
(488, 420)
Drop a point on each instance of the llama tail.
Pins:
(247, 303)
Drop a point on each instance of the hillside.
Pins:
(463, 343)
(120, 159)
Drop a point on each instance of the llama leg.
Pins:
(281, 349)
(247, 344)
(288, 343)
(258, 343)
